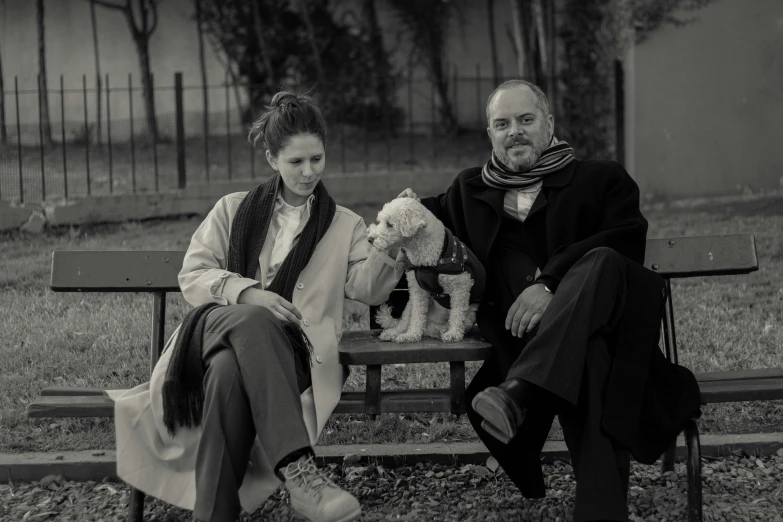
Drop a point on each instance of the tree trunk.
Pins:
(519, 39)
(142, 49)
(440, 78)
(493, 42)
(202, 65)
(3, 131)
(551, 54)
(538, 22)
(44, 106)
(319, 66)
(381, 83)
(271, 79)
(98, 90)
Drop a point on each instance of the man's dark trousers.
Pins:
(571, 358)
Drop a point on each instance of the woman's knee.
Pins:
(254, 316)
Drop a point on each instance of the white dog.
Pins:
(444, 282)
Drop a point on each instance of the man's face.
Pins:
(518, 128)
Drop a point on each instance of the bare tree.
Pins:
(142, 18)
(314, 46)
(258, 24)
(520, 49)
(493, 41)
(3, 131)
(98, 90)
(202, 63)
(46, 124)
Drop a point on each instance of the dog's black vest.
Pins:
(455, 259)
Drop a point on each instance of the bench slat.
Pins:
(738, 391)
(97, 405)
(115, 271)
(702, 255)
(71, 406)
(365, 348)
(760, 373)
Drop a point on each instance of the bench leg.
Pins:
(136, 506)
(694, 472)
(372, 391)
(667, 459)
(457, 369)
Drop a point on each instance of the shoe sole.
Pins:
(491, 408)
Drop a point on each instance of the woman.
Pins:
(248, 380)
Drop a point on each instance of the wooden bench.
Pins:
(156, 273)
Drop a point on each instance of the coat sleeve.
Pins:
(623, 228)
(204, 278)
(372, 275)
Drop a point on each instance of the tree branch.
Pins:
(111, 5)
(154, 9)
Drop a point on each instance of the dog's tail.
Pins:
(384, 317)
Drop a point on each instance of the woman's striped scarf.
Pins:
(556, 156)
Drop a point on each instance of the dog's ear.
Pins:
(410, 221)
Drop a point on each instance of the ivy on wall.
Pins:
(593, 34)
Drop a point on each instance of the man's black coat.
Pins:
(585, 205)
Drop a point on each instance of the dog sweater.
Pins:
(455, 259)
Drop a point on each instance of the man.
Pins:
(573, 316)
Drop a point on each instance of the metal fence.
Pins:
(86, 155)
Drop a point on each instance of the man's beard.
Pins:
(523, 164)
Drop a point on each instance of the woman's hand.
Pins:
(281, 308)
(408, 193)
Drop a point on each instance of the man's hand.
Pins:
(281, 308)
(408, 193)
(526, 312)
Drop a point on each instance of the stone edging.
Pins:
(100, 464)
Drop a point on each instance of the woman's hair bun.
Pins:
(284, 100)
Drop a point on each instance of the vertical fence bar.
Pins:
(387, 117)
(228, 125)
(86, 133)
(619, 111)
(410, 112)
(132, 138)
(455, 112)
(478, 95)
(365, 145)
(342, 132)
(182, 179)
(154, 138)
(108, 137)
(206, 147)
(19, 141)
(62, 136)
(434, 148)
(41, 140)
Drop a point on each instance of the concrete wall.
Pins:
(70, 53)
(707, 110)
(363, 194)
(174, 47)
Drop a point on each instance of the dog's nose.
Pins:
(371, 239)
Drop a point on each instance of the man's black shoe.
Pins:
(503, 408)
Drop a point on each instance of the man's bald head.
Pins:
(541, 100)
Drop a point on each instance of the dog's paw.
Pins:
(388, 335)
(452, 337)
(408, 338)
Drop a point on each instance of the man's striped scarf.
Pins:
(555, 157)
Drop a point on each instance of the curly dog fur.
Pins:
(406, 223)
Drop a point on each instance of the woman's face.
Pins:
(301, 164)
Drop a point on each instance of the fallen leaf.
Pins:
(492, 464)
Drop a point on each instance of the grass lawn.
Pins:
(723, 323)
